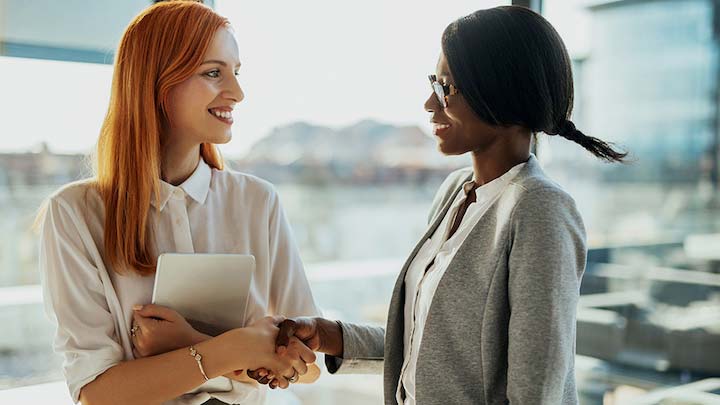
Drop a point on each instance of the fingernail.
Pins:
(262, 373)
(137, 307)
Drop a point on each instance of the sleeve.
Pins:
(290, 293)
(546, 261)
(75, 301)
(363, 351)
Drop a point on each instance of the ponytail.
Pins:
(597, 147)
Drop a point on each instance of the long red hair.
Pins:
(162, 47)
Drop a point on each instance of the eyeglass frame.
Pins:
(442, 91)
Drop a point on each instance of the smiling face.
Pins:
(200, 108)
(457, 128)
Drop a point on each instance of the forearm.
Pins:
(236, 375)
(159, 378)
(362, 351)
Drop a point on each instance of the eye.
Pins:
(215, 73)
(237, 73)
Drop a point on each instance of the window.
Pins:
(333, 116)
(645, 77)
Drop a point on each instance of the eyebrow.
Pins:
(219, 62)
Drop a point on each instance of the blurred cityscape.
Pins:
(357, 199)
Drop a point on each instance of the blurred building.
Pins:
(42, 168)
(650, 83)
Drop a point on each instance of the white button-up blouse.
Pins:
(420, 285)
(211, 212)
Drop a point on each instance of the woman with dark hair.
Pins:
(484, 309)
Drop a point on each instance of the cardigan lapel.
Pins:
(394, 330)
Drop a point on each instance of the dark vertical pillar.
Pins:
(531, 4)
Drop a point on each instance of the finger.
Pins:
(155, 311)
(257, 374)
(143, 324)
(287, 330)
(303, 352)
(134, 336)
(136, 324)
(279, 382)
(282, 382)
(305, 328)
(300, 367)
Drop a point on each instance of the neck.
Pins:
(179, 162)
(499, 158)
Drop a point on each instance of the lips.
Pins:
(439, 128)
(223, 114)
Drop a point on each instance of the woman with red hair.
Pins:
(160, 186)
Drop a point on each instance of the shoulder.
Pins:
(539, 191)
(542, 207)
(77, 197)
(75, 210)
(242, 185)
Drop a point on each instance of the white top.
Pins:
(420, 285)
(211, 212)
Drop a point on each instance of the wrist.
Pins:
(215, 352)
(198, 337)
(238, 351)
(331, 337)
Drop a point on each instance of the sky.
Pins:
(322, 61)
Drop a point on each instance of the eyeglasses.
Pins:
(442, 91)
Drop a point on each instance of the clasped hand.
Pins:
(317, 334)
(157, 329)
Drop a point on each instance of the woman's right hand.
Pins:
(260, 337)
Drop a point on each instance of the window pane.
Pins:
(646, 77)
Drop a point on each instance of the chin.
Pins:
(221, 139)
(447, 150)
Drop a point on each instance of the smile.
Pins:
(224, 116)
(438, 129)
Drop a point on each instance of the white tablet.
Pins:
(209, 288)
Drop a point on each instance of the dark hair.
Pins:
(513, 69)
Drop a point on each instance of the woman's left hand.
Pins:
(159, 329)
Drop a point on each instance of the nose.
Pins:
(432, 104)
(234, 91)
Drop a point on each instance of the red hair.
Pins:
(161, 48)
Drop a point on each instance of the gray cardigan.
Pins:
(501, 326)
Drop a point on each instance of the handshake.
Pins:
(280, 349)
(316, 334)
